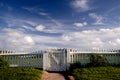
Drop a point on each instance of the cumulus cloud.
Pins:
(117, 41)
(15, 39)
(80, 24)
(40, 28)
(81, 5)
(19, 40)
(66, 37)
(29, 39)
(102, 38)
(98, 18)
(98, 41)
(49, 29)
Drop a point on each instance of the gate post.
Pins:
(65, 59)
(68, 59)
(44, 60)
(45, 57)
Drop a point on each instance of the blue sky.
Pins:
(39, 24)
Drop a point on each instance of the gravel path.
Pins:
(52, 76)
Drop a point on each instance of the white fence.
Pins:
(58, 59)
(83, 56)
(15, 59)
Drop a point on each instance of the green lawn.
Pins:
(97, 73)
(20, 74)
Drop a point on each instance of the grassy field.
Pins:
(20, 74)
(97, 73)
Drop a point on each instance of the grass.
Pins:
(20, 74)
(97, 73)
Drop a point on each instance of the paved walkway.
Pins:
(52, 76)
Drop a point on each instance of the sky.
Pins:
(27, 25)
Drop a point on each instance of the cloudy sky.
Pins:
(41, 24)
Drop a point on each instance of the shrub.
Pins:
(3, 63)
(97, 73)
(98, 60)
(20, 73)
(74, 66)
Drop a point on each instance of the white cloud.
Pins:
(58, 24)
(29, 39)
(98, 18)
(97, 41)
(54, 27)
(28, 28)
(16, 40)
(30, 22)
(66, 38)
(46, 39)
(25, 24)
(30, 9)
(42, 13)
(50, 29)
(40, 28)
(81, 5)
(112, 43)
(117, 41)
(102, 38)
(80, 24)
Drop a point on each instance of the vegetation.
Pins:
(21, 73)
(3, 63)
(98, 60)
(95, 61)
(97, 73)
(98, 69)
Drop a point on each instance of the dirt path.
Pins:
(52, 76)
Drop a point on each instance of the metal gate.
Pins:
(54, 61)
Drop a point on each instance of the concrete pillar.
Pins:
(65, 58)
(68, 58)
(45, 60)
